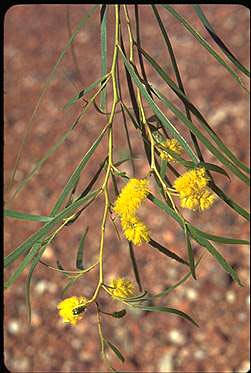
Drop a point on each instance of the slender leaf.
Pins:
(218, 41)
(75, 175)
(24, 216)
(220, 239)
(216, 254)
(115, 350)
(28, 281)
(103, 21)
(88, 188)
(163, 168)
(171, 288)
(166, 208)
(119, 314)
(137, 297)
(167, 252)
(79, 260)
(168, 310)
(178, 77)
(156, 109)
(203, 42)
(80, 25)
(43, 231)
(229, 201)
(227, 163)
(190, 252)
(68, 285)
(53, 148)
(134, 265)
(195, 111)
(84, 91)
(21, 266)
(38, 164)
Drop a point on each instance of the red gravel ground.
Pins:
(35, 35)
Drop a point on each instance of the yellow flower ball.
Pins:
(71, 309)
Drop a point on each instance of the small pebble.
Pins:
(14, 327)
(191, 294)
(230, 296)
(199, 354)
(41, 286)
(176, 337)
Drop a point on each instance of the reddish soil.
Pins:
(34, 37)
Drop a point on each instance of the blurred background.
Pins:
(34, 36)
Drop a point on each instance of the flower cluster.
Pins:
(193, 190)
(171, 144)
(71, 309)
(121, 288)
(126, 205)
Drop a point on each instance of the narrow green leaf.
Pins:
(124, 159)
(190, 252)
(136, 298)
(119, 314)
(24, 216)
(168, 310)
(166, 208)
(115, 350)
(195, 111)
(88, 188)
(178, 76)
(220, 239)
(84, 91)
(215, 168)
(80, 25)
(227, 163)
(21, 267)
(218, 41)
(68, 285)
(59, 265)
(190, 164)
(103, 21)
(134, 265)
(43, 231)
(53, 148)
(166, 122)
(229, 201)
(28, 281)
(167, 252)
(171, 288)
(75, 175)
(163, 168)
(216, 254)
(79, 260)
(203, 42)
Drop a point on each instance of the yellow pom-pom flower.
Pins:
(121, 288)
(131, 197)
(193, 190)
(71, 309)
(171, 144)
(135, 231)
(126, 205)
